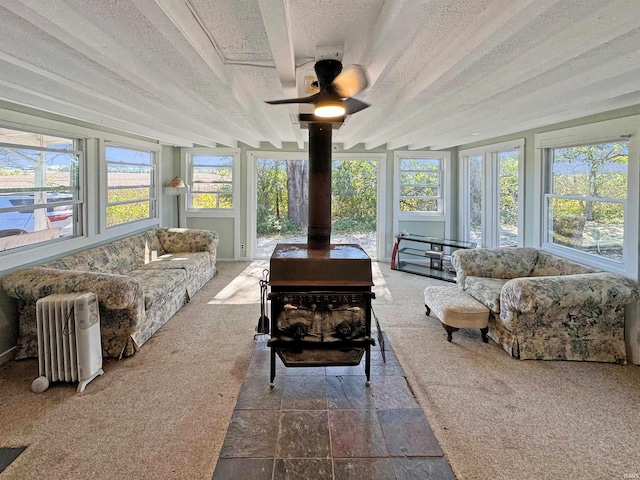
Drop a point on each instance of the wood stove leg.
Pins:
(367, 364)
(273, 368)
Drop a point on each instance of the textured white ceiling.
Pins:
(197, 72)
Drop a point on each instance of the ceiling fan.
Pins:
(337, 87)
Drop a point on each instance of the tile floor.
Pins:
(323, 423)
(8, 455)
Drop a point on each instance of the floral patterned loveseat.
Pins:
(141, 281)
(546, 307)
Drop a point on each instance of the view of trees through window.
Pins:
(508, 201)
(420, 185)
(283, 197)
(482, 172)
(587, 196)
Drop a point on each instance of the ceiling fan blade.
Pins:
(309, 99)
(353, 106)
(350, 81)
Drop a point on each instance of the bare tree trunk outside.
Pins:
(298, 192)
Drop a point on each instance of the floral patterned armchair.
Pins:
(546, 307)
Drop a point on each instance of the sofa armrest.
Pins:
(533, 294)
(176, 240)
(115, 292)
(505, 262)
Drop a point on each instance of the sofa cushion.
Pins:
(486, 290)
(188, 261)
(120, 256)
(157, 283)
(504, 262)
(549, 265)
(176, 240)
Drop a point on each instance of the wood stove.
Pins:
(320, 306)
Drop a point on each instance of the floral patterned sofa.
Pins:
(546, 307)
(141, 281)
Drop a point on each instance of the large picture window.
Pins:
(586, 197)
(131, 185)
(40, 196)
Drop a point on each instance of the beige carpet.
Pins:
(163, 413)
(501, 418)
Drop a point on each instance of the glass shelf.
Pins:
(434, 260)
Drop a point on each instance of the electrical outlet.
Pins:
(242, 247)
(388, 248)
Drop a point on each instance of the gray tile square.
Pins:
(363, 469)
(303, 469)
(356, 434)
(387, 369)
(260, 364)
(352, 370)
(8, 455)
(256, 394)
(251, 433)
(305, 392)
(349, 392)
(391, 392)
(243, 469)
(408, 433)
(422, 469)
(304, 434)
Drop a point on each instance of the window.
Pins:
(473, 191)
(211, 179)
(587, 194)
(131, 185)
(585, 197)
(420, 185)
(40, 196)
(491, 185)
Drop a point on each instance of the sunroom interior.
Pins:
(498, 100)
(493, 122)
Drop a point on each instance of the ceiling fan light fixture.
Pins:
(329, 109)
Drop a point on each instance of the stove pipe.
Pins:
(319, 229)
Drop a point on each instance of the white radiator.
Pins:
(69, 346)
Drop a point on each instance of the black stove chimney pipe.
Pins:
(319, 230)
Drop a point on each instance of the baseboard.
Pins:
(8, 355)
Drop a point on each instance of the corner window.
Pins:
(586, 196)
(211, 176)
(39, 188)
(491, 182)
(419, 184)
(131, 185)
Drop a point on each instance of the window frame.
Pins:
(491, 196)
(187, 156)
(627, 128)
(154, 190)
(444, 186)
(77, 203)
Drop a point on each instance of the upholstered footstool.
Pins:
(456, 309)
